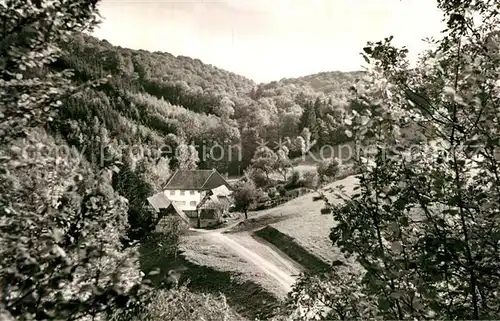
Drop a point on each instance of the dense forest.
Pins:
(157, 99)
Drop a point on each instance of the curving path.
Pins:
(261, 254)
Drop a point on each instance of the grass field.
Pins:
(311, 229)
(301, 219)
(202, 252)
(289, 246)
(211, 269)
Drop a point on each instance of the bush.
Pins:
(258, 177)
(328, 169)
(295, 180)
(262, 197)
(297, 192)
(182, 305)
(281, 189)
(326, 211)
(311, 180)
(273, 192)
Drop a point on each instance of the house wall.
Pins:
(186, 200)
(208, 223)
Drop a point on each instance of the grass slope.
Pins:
(311, 230)
(301, 220)
(287, 244)
(201, 251)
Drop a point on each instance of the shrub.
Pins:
(262, 196)
(311, 180)
(295, 180)
(326, 211)
(182, 305)
(328, 169)
(281, 189)
(258, 177)
(273, 192)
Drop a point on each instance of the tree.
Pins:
(225, 108)
(249, 144)
(264, 160)
(289, 124)
(31, 36)
(187, 157)
(309, 119)
(327, 169)
(333, 295)
(136, 188)
(62, 225)
(61, 251)
(155, 172)
(257, 176)
(299, 145)
(245, 194)
(283, 164)
(423, 224)
(309, 142)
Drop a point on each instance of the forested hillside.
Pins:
(156, 99)
(328, 82)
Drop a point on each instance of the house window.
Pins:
(192, 203)
(182, 193)
(191, 192)
(182, 203)
(172, 192)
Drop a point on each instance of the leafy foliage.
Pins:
(62, 230)
(181, 304)
(153, 95)
(245, 194)
(283, 164)
(62, 225)
(30, 34)
(264, 160)
(423, 225)
(328, 169)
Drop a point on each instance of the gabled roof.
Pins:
(159, 201)
(195, 180)
(221, 191)
(176, 208)
(179, 212)
(210, 201)
(220, 194)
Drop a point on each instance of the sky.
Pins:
(267, 40)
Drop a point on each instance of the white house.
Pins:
(188, 188)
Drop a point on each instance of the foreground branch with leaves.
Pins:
(424, 224)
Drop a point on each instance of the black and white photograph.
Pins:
(249, 160)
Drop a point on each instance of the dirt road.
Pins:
(260, 254)
(263, 256)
